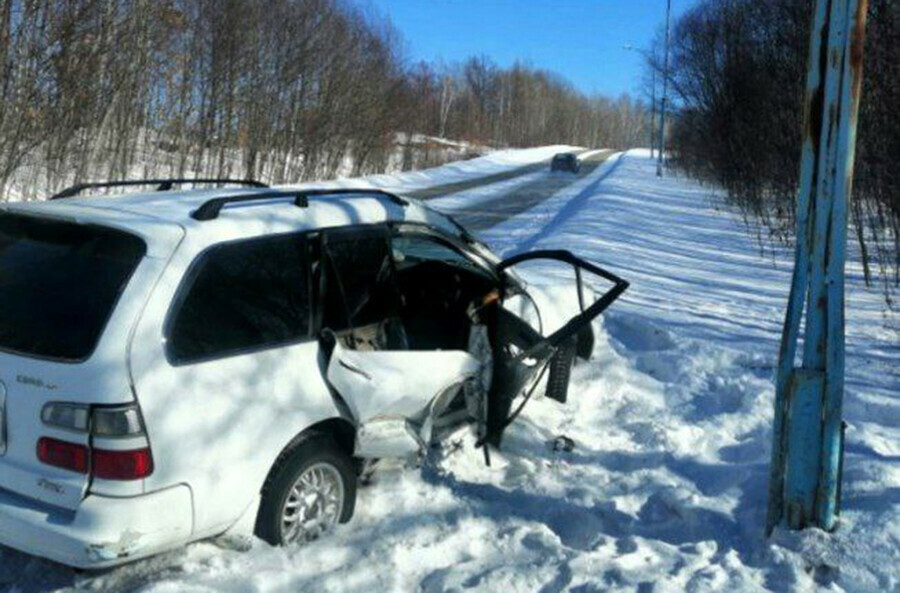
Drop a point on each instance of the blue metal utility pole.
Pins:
(807, 450)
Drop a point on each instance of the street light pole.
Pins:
(653, 117)
(662, 117)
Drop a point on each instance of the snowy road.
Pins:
(444, 189)
(665, 490)
(510, 195)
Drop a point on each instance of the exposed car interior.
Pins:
(415, 297)
(409, 291)
(439, 314)
(442, 292)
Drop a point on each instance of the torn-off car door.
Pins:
(522, 356)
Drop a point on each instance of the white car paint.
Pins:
(105, 531)
(400, 382)
(385, 390)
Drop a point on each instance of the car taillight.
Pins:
(121, 465)
(70, 456)
(111, 429)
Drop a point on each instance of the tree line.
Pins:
(277, 90)
(520, 106)
(738, 70)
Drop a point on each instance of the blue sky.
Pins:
(581, 39)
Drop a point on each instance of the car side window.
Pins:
(242, 296)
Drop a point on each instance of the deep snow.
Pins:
(666, 488)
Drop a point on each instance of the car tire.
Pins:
(313, 478)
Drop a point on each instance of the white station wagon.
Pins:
(176, 365)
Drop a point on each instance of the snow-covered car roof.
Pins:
(162, 218)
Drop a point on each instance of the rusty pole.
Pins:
(807, 449)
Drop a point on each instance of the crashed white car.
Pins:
(175, 365)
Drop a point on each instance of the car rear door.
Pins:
(226, 367)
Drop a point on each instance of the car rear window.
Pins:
(59, 283)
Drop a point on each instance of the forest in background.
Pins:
(278, 90)
(738, 73)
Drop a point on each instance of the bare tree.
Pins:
(738, 70)
(281, 90)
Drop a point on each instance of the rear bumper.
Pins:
(103, 532)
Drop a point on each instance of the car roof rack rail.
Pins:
(210, 209)
(161, 184)
(358, 192)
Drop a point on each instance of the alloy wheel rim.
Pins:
(313, 504)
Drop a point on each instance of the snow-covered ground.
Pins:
(666, 487)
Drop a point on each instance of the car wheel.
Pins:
(311, 488)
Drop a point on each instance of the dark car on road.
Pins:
(565, 161)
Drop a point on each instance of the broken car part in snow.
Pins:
(808, 445)
(562, 444)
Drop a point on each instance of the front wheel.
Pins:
(311, 488)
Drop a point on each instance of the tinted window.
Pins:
(243, 296)
(59, 283)
(361, 289)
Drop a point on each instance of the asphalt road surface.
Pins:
(486, 214)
